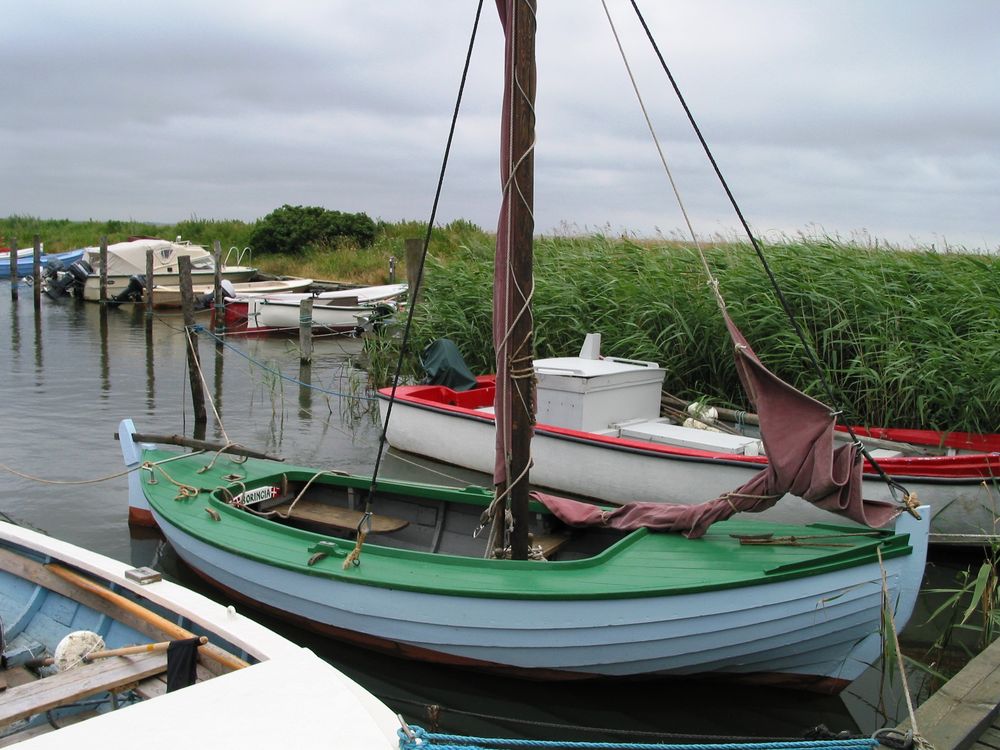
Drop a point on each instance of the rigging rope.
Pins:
(813, 358)
(423, 258)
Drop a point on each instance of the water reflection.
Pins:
(305, 390)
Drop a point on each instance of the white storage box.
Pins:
(592, 394)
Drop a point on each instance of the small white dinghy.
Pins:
(60, 605)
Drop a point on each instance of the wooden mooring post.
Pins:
(306, 330)
(149, 283)
(193, 360)
(104, 270)
(414, 252)
(36, 273)
(13, 268)
(219, 297)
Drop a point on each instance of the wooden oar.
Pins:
(142, 648)
(169, 628)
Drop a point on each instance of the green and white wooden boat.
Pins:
(805, 612)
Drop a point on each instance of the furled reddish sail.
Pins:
(797, 432)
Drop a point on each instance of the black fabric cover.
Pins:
(444, 365)
(182, 657)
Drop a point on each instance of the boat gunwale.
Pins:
(968, 468)
(863, 552)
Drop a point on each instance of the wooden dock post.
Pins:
(219, 298)
(305, 330)
(193, 360)
(36, 272)
(104, 270)
(13, 269)
(414, 252)
(149, 283)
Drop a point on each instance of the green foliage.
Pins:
(907, 338)
(62, 234)
(292, 229)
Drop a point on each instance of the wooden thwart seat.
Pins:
(313, 511)
(79, 682)
(550, 543)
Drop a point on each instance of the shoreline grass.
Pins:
(907, 337)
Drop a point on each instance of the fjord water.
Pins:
(72, 371)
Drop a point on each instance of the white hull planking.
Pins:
(962, 512)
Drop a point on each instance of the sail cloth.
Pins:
(797, 432)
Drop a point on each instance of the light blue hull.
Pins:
(825, 627)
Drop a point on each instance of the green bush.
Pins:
(292, 229)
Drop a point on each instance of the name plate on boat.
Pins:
(254, 496)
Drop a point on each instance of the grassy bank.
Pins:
(908, 337)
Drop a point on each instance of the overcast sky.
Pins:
(844, 117)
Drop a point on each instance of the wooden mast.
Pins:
(521, 195)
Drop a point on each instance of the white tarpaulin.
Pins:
(129, 258)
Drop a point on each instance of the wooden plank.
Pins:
(77, 683)
(155, 686)
(990, 738)
(550, 543)
(965, 706)
(27, 734)
(15, 676)
(313, 511)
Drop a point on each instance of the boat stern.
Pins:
(139, 512)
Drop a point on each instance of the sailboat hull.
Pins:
(433, 421)
(620, 613)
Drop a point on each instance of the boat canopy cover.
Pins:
(797, 432)
(445, 366)
(129, 258)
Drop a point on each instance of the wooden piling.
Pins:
(193, 360)
(149, 283)
(414, 253)
(13, 268)
(219, 299)
(36, 272)
(104, 270)
(305, 329)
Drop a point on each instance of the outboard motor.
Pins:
(60, 283)
(133, 290)
(207, 301)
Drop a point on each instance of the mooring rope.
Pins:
(918, 740)
(278, 373)
(204, 385)
(412, 737)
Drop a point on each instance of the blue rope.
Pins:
(419, 738)
(278, 373)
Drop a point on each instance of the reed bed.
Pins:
(907, 338)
